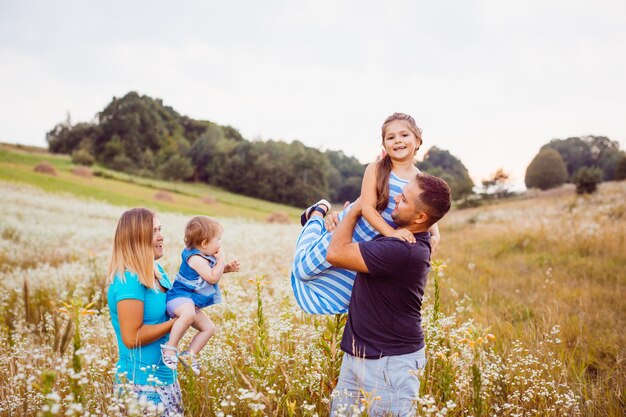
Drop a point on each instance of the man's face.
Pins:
(406, 209)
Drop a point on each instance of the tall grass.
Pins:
(523, 320)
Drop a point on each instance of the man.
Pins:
(383, 340)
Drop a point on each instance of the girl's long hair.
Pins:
(133, 247)
(383, 169)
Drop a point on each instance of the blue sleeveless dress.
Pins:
(319, 287)
(189, 283)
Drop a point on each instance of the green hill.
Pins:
(17, 164)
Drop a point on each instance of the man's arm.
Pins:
(342, 253)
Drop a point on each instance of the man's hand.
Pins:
(342, 252)
(232, 266)
(403, 234)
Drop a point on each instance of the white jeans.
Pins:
(387, 386)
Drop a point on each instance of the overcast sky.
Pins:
(490, 81)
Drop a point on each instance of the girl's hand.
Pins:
(232, 266)
(404, 235)
(220, 255)
(434, 243)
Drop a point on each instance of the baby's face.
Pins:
(210, 247)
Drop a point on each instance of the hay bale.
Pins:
(278, 217)
(163, 196)
(208, 200)
(82, 171)
(45, 168)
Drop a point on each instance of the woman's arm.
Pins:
(201, 266)
(368, 201)
(134, 332)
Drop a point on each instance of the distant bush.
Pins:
(103, 174)
(620, 170)
(121, 162)
(547, 170)
(587, 179)
(207, 199)
(82, 157)
(470, 201)
(164, 196)
(278, 217)
(45, 168)
(82, 171)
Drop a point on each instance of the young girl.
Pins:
(203, 264)
(319, 287)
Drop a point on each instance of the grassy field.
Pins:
(17, 164)
(525, 317)
(554, 260)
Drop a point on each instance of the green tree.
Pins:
(82, 157)
(345, 175)
(232, 133)
(111, 150)
(350, 189)
(587, 179)
(140, 135)
(546, 170)
(443, 164)
(588, 151)
(64, 138)
(274, 170)
(209, 152)
(148, 163)
(176, 168)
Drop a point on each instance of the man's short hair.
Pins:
(434, 196)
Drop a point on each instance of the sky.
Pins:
(490, 81)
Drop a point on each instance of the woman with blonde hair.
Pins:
(136, 298)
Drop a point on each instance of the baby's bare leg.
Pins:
(186, 315)
(206, 330)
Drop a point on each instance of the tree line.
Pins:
(140, 135)
(584, 161)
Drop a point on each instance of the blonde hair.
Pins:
(383, 170)
(199, 229)
(133, 247)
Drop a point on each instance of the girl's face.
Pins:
(399, 141)
(157, 238)
(210, 247)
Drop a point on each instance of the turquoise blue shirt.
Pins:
(141, 365)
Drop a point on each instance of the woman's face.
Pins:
(157, 238)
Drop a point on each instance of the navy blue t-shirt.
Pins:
(384, 317)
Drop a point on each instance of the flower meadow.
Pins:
(485, 358)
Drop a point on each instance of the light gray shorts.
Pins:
(391, 382)
(172, 305)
